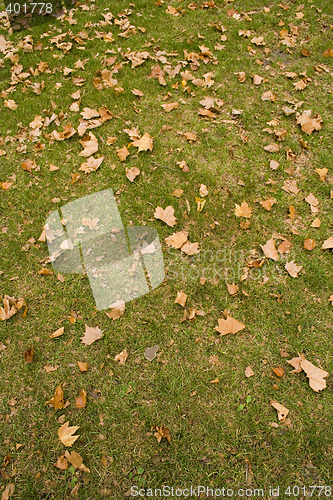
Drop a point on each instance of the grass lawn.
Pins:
(243, 76)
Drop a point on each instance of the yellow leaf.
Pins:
(328, 243)
(65, 434)
(170, 106)
(267, 204)
(83, 367)
(243, 210)
(232, 288)
(293, 269)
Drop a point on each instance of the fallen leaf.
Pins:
(49, 368)
(203, 191)
(284, 247)
(316, 222)
(9, 103)
(328, 53)
(309, 244)
(322, 172)
(117, 310)
(166, 215)
(121, 357)
(190, 137)
(327, 243)
(150, 352)
(76, 460)
(170, 106)
(176, 240)
(243, 210)
(181, 299)
(122, 153)
(61, 463)
(183, 165)
(268, 96)
(45, 272)
(241, 76)
(274, 164)
(190, 248)
(232, 289)
(57, 333)
(91, 165)
(83, 367)
(279, 371)
(249, 372)
(90, 145)
(65, 434)
(229, 325)
(28, 355)
(162, 432)
(282, 410)
(91, 334)
(272, 148)
(57, 401)
(331, 299)
(8, 491)
(267, 204)
(300, 85)
(132, 173)
(257, 79)
(293, 269)
(145, 143)
(81, 400)
(177, 193)
(270, 250)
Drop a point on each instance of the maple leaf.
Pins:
(282, 410)
(91, 334)
(121, 357)
(327, 243)
(176, 240)
(300, 85)
(81, 400)
(145, 143)
(133, 133)
(181, 299)
(170, 106)
(229, 325)
(90, 145)
(76, 460)
(267, 204)
(166, 215)
(132, 173)
(65, 434)
(293, 269)
(315, 375)
(122, 153)
(190, 248)
(57, 401)
(270, 250)
(243, 210)
(91, 165)
(117, 310)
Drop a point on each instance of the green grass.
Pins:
(219, 432)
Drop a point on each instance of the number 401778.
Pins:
(319, 491)
(30, 8)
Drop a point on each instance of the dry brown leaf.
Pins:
(316, 222)
(268, 96)
(257, 79)
(181, 299)
(57, 333)
(76, 460)
(49, 368)
(11, 306)
(57, 401)
(162, 432)
(274, 164)
(330, 299)
(8, 491)
(176, 240)
(232, 288)
(145, 143)
(89, 143)
(190, 137)
(91, 334)
(229, 325)
(122, 153)
(270, 250)
(166, 215)
(279, 371)
(28, 355)
(65, 434)
(190, 248)
(314, 374)
(282, 410)
(183, 165)
(293, 269)
(132, 173)
(284, 247)
(177, 193)
(116, 310)
(309, 244)
(267, 204)
(328, 53)
(300, 85)
(327, 243)
(9, 103)
(170, 106)
(203, 191)
(61, 463)
(241, 76)
(81, 400)
(243, 210)
(83, 367)
(290, 186)
(91, 165)
(322, 172)
(121, 357)
(249, 372)
(272, 148)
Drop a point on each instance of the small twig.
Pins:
(163, 166)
